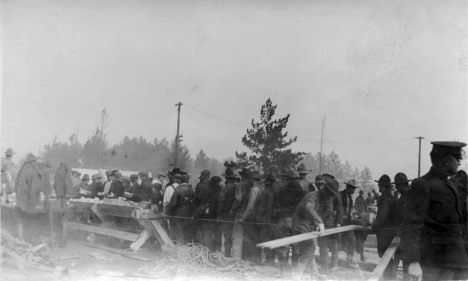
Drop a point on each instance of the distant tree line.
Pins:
(267, 141)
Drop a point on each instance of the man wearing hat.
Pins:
(360, 204)
(432, 233)
(29, 183)
(306, 185)
(201, 202)
(305, 220)
(82, 188)
(106, 184)
(386, 222)
(251, 216)
(288, 198)
(96, 186)
(225, 212)
(117, 187)
(319, 182)
(181, 206)
(352, 240)
(402, 186)
(330, 210)
(137, 192)
(239, 206)
(8, 171)
(266, 207)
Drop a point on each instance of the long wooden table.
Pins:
(109, 213)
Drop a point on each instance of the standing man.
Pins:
(239, 206)
(370, 200)
(8, 171)
(251, 216)
(181, 206)
(402, 186)
(360, 204)
(225, 212)
(306, 185)
(264, 216)
(289, 198)
(432, 241)
(305, 220)
(330, 210)
(201, 204)
(386, 222)
(353, 240)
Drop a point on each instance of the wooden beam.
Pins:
(379, 270)
(115, 251)
(140, 240)
(104, 231)
(306, 236)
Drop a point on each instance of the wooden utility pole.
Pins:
(177, 136)
(419, 156)
(321, 144)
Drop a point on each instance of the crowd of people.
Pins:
(430, 215)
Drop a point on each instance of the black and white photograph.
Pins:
(188, 140)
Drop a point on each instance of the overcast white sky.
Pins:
(382, 72)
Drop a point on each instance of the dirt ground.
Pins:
(96, 264)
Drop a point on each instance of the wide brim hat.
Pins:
(204, 174)
(401, 178)
(384, 180)
(9, 151)
(176, 171)
(294, 175)
(229, 173)
(302, 169)
(244, 171)
(351, 183)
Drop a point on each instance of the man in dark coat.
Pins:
(330, 210)
(265, 211)
(306, 185)
(201, 210)
(225, 212)
(143, 192)
(251, 217)
(402, 186)
(386, 222)
(432, 239)
(117, 187)
(288, 199)
(181, 206)
(239, 206)
(352, 240)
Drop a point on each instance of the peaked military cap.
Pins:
(453, 148)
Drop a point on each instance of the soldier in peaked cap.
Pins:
(432, 233)
(387, 222)
(306, 185)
